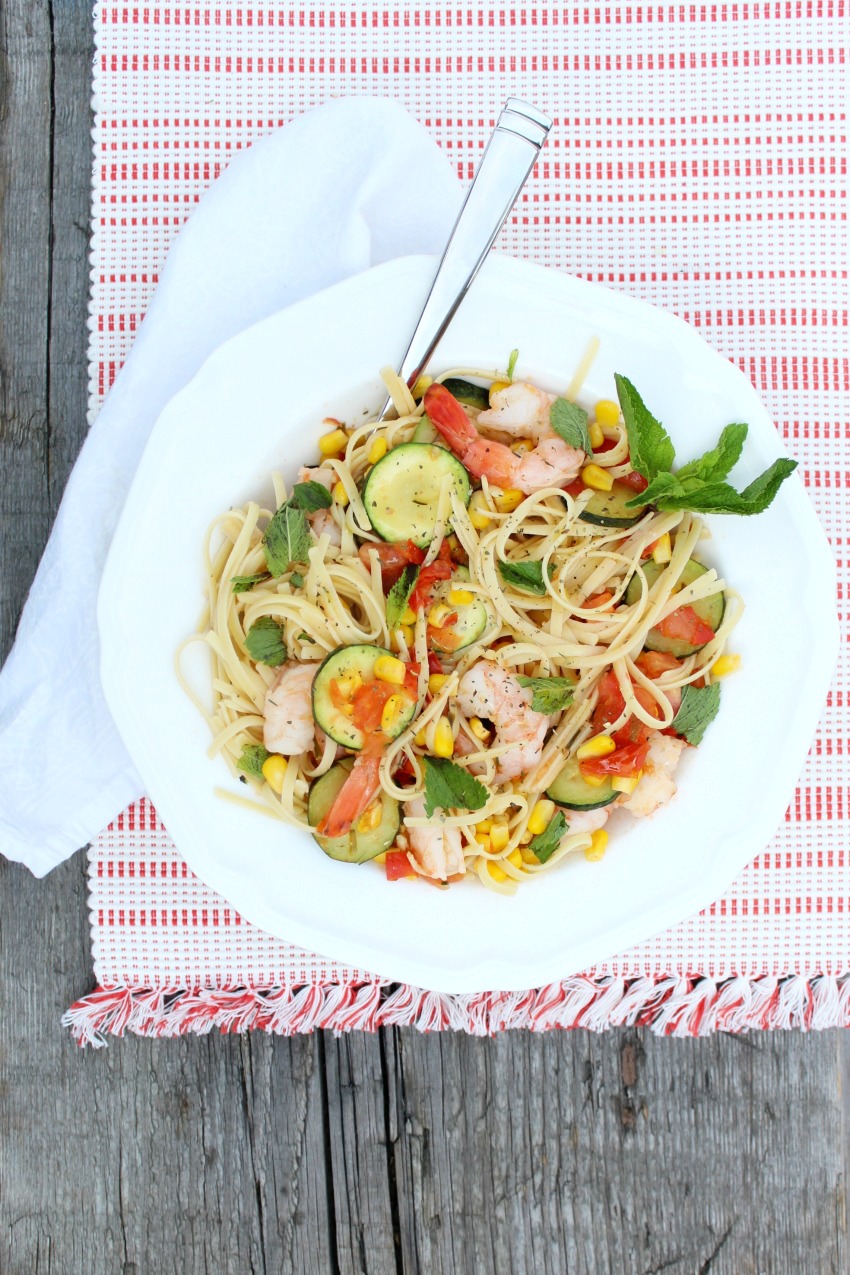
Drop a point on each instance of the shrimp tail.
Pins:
(359, 791)
(449, 419)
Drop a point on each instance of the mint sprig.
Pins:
(546, 842)
(697, 711)
(699, 485)
(399, 595)
(264, 642)
(549, 694)
(251, 760)
(450, 787)
(569, 421)
(525, 575)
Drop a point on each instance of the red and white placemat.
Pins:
(699, 162)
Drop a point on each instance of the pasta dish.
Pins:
(466, 636)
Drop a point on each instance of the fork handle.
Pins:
(505, 165)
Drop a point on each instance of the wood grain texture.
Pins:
(390, 1154)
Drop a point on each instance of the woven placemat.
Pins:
(699, 162)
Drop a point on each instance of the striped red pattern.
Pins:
(699, 162)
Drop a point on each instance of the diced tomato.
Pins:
(445, 637)
(636, 481)
(654, 663)
(610, 702)
(392, 557)
(398, 865)
(627, 759)
(575, 488)
(600, 601)
(368, 704)
(605, 446)
(337, 698)
(685, 625)
(411, 678)
(434, 665)
(440, 569)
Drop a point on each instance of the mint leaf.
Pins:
(569, 421)
(717, 498)
(287, 539)
(242, 584)
(296, 580)
(512, 365)
(715, 464)
(546, 843)
(525, 575)
(661, 487)
(264, 642)
(650, 449)
(450, 787)
(399, 595)
(697, 710)
(310, 496)
(549, 694)
(251, 760)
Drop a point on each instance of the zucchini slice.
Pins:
(353, 846)
(467, 392)
(344, 663)
(425, 432)
(710, 610)
(570, 789)
(403, 490)
(472, 617)
(608, 508)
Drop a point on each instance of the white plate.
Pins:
(255, 406)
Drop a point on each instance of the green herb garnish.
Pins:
(697, 710)
(525, 575)
(549, 694)
(264, 642)
(546, 842)
(509, 375)
(242, 584)
(450, 787)
(310, 496)
(699, 485)
(569, 421)
(399, 595)
(251, 760)
(287, 539)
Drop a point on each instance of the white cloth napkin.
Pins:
(347, 186)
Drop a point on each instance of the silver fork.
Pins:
(505, 165)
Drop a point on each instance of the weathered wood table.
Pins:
(377, 1153)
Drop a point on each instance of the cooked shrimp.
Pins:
(486, 690)
(552, 463)
(520, 410)
(356, 794)
(288, 710)
(437, 850)
(321, 474)
(655, 786)
(587, 820)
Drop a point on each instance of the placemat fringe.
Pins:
(669, 1006)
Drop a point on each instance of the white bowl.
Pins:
(256, 405)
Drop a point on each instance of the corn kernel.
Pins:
(478, 729)
(340, 495)
(479, 514)
(420, 739)
(508, 500)
(597, 847)
(274, 769)
(595, 781)
(594, 433)
(349, 684)
(380, 859)
(405, 632)
(607, 413)
(484, 826)
(499, 837)
(625, 783)
(484, 841)
(424, 383)
(408, 616)
(461, 597)
(525, 838)
(370, 818)
(662, 550)
(438, 615)
(393, 709)
(598, 479)
(599, 746)
(515, 858)
(436, 682)
(528, 856)
(444, 744)
(333, 443)
(497, 873)
(377, 451)
(541, 816)
(496, 387)
(725, 665)
(521, 446)
(389, 669)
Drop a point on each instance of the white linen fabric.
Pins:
(306, 206)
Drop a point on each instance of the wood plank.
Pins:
(626, 1153)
